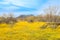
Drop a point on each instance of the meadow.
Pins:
(28, 31)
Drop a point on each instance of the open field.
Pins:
(29, 31)
(29, 19)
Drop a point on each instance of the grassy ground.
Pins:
(29, 31)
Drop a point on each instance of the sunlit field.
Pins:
(29, 31)
(29, 19)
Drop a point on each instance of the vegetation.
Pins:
(29, 31)
(51, 14)
(30, 27)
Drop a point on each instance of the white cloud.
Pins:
(28, 4)
(10, 5)
(25, 3)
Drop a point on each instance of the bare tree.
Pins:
(51, 14)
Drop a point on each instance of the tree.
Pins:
(51, 14)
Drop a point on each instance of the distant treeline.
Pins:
(52, 14)
(31, 18)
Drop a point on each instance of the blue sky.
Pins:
(19, 7)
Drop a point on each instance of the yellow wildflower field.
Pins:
(28, 31)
